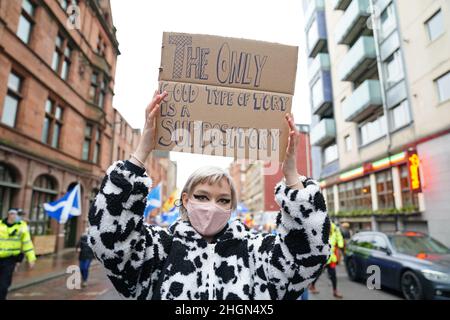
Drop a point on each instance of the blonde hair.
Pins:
(205, 174)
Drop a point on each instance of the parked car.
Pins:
(410, 262)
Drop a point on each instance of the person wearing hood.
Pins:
(204, 255)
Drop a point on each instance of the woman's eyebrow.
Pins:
(207, 193)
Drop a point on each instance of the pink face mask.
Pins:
(207, 218)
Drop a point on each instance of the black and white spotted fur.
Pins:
(148, 262)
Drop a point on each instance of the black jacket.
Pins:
(86, 251)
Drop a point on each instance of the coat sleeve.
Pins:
(27, 244)
(290, 260)
(131, 251)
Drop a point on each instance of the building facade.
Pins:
(389, 63)
(56, 89)
(256, 189)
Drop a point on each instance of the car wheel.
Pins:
(352, 270)
(411, 286)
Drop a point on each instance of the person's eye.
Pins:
(200, 197)
(225, 201)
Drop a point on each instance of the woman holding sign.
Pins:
(203, 255)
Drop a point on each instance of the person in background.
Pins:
(337, 243)
(85, 257)
(345, 230)
(15, 240)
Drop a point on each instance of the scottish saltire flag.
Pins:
(170, 216)
(67, 207)
(153, 200)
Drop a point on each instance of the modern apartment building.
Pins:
(381, 111)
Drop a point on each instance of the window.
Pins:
(355, 195)
(8, 189)
(44, 191)
(62, 57)
(443, 85)
(98, 89)
(51, 129)
(387, 20)
(394, 68)
(102, 93)
(317, 93)
(12, 100)
(101, 46)
(348, 143)
(372, 130)
(91, 134)
(87, 142)
(313, 35)
(95, 157)
(400, 115)
(435, 26)
(380, 244)
(385, 191)
(409, 198)
(330, 154)
(330, 200)
(26, 21)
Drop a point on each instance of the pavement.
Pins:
(349, 289)
(46, 267)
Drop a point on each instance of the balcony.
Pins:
(359, 60)
(314, 5)
(341, 4)
(323, 133)
(353, 23)
(363, 102)
(322, 95)
(320, 63)
(316, 34)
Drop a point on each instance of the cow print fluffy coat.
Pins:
(148, 262)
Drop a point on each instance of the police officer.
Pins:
(15, 240)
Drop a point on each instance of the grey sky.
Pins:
(140, 24)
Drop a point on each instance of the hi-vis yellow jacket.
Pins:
(336, 241)
(16, 239)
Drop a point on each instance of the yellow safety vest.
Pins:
(336, 240)
(16, 239)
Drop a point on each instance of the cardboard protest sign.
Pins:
(226, 96)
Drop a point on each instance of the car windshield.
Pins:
(414, 245)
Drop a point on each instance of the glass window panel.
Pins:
(88, 131)
(45, 130)
(96, 150)
(10, 110)
(55, 61)
(85, 155)
(65, 70)
(24, 29)
(28, 7)
(435, 26)
(443, 84)
(48, 106)
(400, 115)
(58, 113)
(14, 82)
(55, 138)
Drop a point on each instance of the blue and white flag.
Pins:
(170, 216)
(153, 200)
(67, 207)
